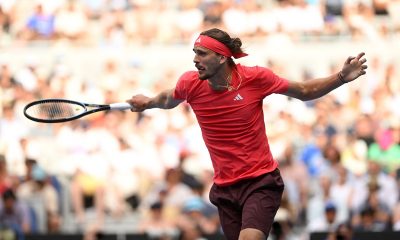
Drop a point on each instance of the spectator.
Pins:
(6, 180)
(387, 191)
(297, 181)
(333, 11)
(124, 181)
(354, 155)
(135, 23)
(189, 20)
(375, 214)
(52, 6)
(308, 18)
(342, 192)
(7, 12)
(344, 232)
(40, 25)
(115, 29)
(332, 155)
(194, 222)
(333, 8)
(328, 223)
(171, 192)
(88, 184)
(27, 74)
(319, 198)
(156, 225)
(111, 76)
(285, 219)
(236, 20)
(140, 21)
(312, 155)
(71, 22)
(369, 222)
(364, 128)
(42, 197)
(94, 8)
(30, 163)
(7, 83)
(359, 17)
(198, 211)
(212, 13)
(14, 214)
(187, 178)
(12, 131)
(386, 149)
(393, 87)
(87, 192)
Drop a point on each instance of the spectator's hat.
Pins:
(193, 205)
(330, 206)
(38, 173)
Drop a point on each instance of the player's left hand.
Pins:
(354, 67)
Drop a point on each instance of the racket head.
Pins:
(54, 110)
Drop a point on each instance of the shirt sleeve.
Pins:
(181, 88)
(31, 23)
(271, 83)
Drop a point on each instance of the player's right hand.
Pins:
(138, 102)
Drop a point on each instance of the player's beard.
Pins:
(203, 75)
(208, 72)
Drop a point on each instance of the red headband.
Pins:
(216, 46)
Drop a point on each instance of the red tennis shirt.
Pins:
(232, 122)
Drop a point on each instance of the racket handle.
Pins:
(120, 106)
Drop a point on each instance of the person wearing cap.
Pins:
(328, 222)
(195, 222)
(39, 193)
(227, 99)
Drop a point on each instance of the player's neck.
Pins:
(222, 80)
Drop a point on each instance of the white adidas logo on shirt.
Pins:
(238, 97)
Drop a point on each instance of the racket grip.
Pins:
(120, 106)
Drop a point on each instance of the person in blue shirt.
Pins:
(40, 25)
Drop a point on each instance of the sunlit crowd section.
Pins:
(150, 172)
(126, 22)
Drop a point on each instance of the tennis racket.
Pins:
(64, 110)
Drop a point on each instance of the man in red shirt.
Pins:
(227, 100)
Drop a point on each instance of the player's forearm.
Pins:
(159, 101)
(314, 88)
(321, 86)
(163, 100)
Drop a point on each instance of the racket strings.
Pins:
(55, 110)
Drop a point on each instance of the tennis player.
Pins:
(227, 100)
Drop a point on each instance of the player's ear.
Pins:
(222, 59)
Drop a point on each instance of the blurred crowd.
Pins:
(339, 155)
(126, 22)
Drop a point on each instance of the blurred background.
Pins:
(123, 175)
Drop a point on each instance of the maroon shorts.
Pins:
(250, 203)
